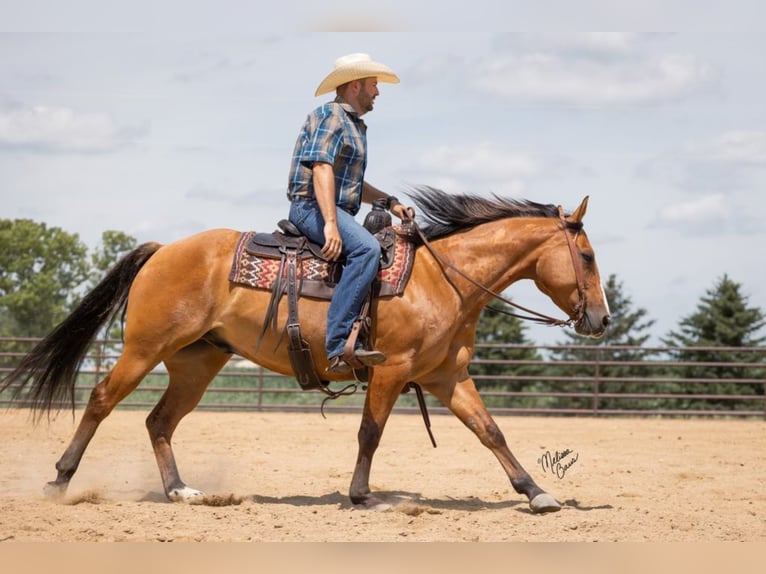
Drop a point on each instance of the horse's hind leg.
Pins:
(190, 370)
(463, 399)
(124, 377)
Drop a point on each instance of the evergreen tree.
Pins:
(494, 362)
(723, 319)
(616, 370)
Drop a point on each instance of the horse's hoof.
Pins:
(372, 503)
(55, 490)
(544, 502)
(186, 495)
(375, 507)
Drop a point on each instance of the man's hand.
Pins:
(402, 212)
(332, 241)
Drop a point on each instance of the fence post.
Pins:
(260, 388)
(596, 381)
(99, 349)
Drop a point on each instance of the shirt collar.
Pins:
(348, 107)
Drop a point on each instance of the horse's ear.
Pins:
(579, 213)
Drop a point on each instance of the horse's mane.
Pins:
(445, 213)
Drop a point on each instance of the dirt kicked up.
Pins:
(284, 477)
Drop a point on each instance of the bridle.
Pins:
(571, 231)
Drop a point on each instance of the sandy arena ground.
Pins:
(284, 477)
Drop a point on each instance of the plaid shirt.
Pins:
(335, 134)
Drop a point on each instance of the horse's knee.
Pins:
(158, 423)
(99, 406)
(152, 423)
(491, 436)
(495, 435)
(369, 435)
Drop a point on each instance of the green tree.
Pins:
(494, 363)
(613, 368)
(723, 319)
(114, 244)
(41, 269)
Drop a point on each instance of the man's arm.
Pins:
(370, 193)
(324, 191)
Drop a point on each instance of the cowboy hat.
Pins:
(355, 67)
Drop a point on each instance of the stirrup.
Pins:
(339, 366)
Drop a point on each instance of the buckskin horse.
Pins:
(183, 311)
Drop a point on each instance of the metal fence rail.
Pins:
(656, 383)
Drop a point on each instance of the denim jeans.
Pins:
(362, 253)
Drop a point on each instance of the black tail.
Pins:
(53, 364)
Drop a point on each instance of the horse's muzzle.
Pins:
(593, 324)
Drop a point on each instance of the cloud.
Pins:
(594, 69)
(591, 44)
(725, 174)
(707, 209)
(60, 129)
(710, 214)
(484, 164)
(725, 162)
(736, 147)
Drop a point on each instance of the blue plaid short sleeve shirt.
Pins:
(335, 134)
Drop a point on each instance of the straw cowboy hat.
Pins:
(355, 67)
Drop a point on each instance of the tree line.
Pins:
(45, 271)
(710, 352)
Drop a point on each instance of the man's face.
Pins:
(368, 91)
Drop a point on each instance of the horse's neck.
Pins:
(496, 254)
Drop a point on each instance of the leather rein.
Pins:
(571, 231)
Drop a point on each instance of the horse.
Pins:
(180, 308)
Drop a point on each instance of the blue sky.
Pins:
(162, 134)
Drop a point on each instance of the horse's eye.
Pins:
(587, 257)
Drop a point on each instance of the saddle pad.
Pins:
(318, 278)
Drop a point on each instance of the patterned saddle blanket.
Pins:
(317, 277)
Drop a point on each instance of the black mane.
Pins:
(445, 214)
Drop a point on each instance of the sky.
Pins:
(162, 133)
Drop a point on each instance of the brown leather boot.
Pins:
(369, 357)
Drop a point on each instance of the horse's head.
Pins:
(568, 274)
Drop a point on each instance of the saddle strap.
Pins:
(423, 409)
(360, 327)
(293, 327)
(298, 349)
(272, 310)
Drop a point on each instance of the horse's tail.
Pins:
(53, 363)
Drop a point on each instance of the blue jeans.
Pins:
(362, 253)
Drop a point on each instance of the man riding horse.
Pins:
(326, 188)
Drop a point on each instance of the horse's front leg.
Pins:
(462, 398)
(380, 400)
